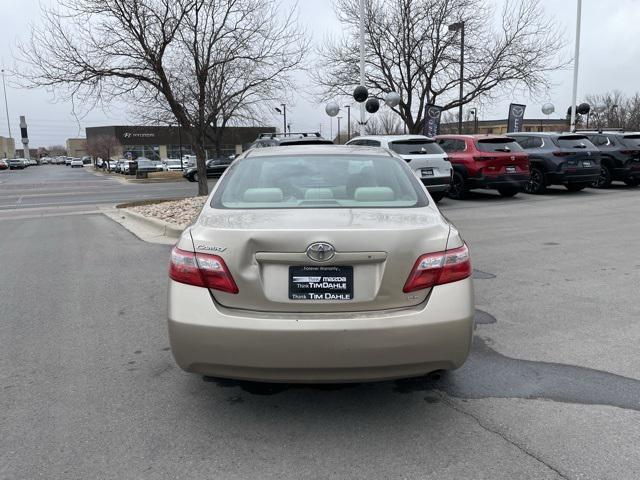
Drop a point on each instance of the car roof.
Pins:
(473, 137)
(293, 150)
(392, 138)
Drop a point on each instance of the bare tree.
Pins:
(57, 150)
(385, 122)
(102, 146)
(614, 110)
(204, 63)
(410, 50)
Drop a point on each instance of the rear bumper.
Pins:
(584, 175)
(517, 181)
(627, 173)
(209, 339)
(437, 184)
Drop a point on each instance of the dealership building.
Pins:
(166, 142)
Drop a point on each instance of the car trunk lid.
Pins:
(266, 253)
(501, 156)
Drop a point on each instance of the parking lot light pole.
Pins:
(339, 118)
(284, 113)
(363, 12)
(6, 104)
(455, 27)
(576, 64)
(348, 107)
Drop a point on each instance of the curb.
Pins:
(165, 228)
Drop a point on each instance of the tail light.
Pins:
(562, 154)
(439, 268)
(629, 152)
(201, 270)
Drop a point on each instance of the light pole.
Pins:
(454, 27)
(474, 112)
(6, 105)
(339, 118)
(362, 107)
(284, 113)
(615, 109)
(348, 107)
(576, 64)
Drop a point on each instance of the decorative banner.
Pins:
(516, 118)
(432, 120)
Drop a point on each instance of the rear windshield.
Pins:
(319, 181)
(574, 141)
(415, 147)
(499, 145)
(631, 140)
(173, 162)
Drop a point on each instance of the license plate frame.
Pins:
(510, 169)
(321, 283)
(586, 164)
(427, 172)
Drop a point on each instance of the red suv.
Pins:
(485, 161)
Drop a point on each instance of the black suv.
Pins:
(567, 159)
(282, 140)
(620, 157)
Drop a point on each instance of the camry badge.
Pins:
(320, 251)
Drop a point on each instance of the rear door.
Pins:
(425, 157)
(501, 156)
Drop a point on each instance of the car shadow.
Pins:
(486, 374)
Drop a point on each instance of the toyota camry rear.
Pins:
(320, 264)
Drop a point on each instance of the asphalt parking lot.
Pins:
(551, 390)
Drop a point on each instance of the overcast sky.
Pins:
(610, 59)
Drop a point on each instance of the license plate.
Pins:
(511, 169)
(320, 283)
(586, 163)
(426, 172)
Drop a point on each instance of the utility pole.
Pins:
(339, 118)
(576, 64)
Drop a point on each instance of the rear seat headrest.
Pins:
(374, 194)
(262, 195)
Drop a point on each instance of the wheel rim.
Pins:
(456, 186)
(195, 177)
(535, 181)
(603, 179)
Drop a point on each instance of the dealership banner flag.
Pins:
(516, 118)
(432, 120)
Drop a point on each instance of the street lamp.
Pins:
(6, 105)
(284, 113)
(348, 107)
(474, 112)
(455, 27)
(339, 118)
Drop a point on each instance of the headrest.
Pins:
(373, 194)
(262, 195)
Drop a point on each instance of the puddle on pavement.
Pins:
(489, 374)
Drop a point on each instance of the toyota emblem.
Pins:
(320, 251)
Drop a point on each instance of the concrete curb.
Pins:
(167, 229)
(125, 180)
(146, 229)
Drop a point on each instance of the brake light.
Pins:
(629, 152)
(439, 268)
(201, 270)
(562, 154)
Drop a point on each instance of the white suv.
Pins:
(425, 157)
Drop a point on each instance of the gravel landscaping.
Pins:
(178, 212)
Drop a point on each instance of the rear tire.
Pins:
(458, 188)
(508, 192)
(605, 178)
(437, 196)
(632, 182)
(536, 184)
(576, 187)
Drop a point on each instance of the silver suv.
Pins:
(425, 157)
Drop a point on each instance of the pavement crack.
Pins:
(452, 404)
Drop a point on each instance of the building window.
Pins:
(173, 151)
(151, 152)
